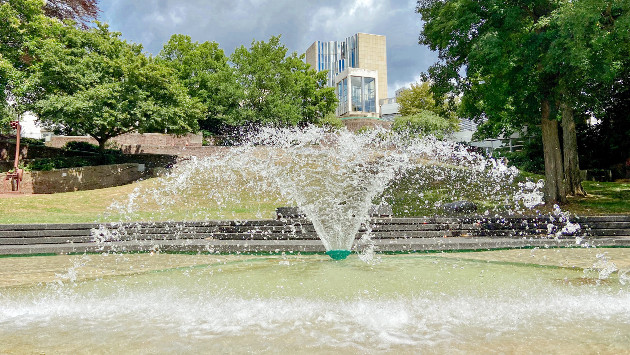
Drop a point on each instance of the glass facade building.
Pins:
(358, 92)
(336, 56)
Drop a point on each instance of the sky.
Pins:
(232, 23)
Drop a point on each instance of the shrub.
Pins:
(81, 146)
(330, 121)
(90, 148)
(424, 123)
(32, 141)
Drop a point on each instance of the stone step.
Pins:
(45, 240)
(46, 226)
(44, 233)
(608, 232)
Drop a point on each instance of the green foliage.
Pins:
(424, 123)
(331, 121)
(47, 164)
(506, 57)
(7, 114)
(279, 89)
(21, 21)
(530, 156)
(32, 141)
(79, 146)
(99, 85)
(418, 98)
(203, 69)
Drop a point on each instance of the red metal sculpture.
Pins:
(15, 176)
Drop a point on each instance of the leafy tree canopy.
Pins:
(204, 70)
(516, 54)
(21, 21)
(276, 88)
(81, 11)
(97, 84)
(527, 62)
(420, 98)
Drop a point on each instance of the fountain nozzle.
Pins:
(338, 254)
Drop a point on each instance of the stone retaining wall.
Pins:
(7, 152)
(298, 235)
(77, 179)
(133, 143)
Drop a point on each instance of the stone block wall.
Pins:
(134, 143)
(76, 179)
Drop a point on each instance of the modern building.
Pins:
(357, 68)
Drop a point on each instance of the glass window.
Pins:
(357, 95)
(345, 96)
(369, 94)
(340, 91)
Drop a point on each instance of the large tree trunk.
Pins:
(101, 143)
(554, 184)
(573, 180)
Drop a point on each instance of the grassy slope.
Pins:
(92, 206)
(89, 206)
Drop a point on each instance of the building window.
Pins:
(369, 94)
(345, 96)
(357, 95)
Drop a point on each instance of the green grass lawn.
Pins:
(92, 206)
(602, 198)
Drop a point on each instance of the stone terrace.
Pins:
(298, 235)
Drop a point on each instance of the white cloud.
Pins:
(232, 23)
(360, 5)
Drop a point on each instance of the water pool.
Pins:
(509, 301)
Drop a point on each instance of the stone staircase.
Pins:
(298, 235)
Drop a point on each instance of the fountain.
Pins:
(530, 300)
(333, 177)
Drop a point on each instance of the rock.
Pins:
(382, 210)
(459, 207)
(289, 212)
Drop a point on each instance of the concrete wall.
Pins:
(76, 179)
(135, 142)
(311, 55)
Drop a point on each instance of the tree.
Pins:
(204, 70)
(276, 88)
(97, 84)
(82, 12)
(521, 64)
(415, 99)
(21, 21)
(422, 112)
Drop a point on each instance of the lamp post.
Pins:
(16, 175)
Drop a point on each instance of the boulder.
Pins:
(459, 207)
(289, 212)
(382, 210)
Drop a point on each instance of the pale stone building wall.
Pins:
(311, 56)
(373, 56)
